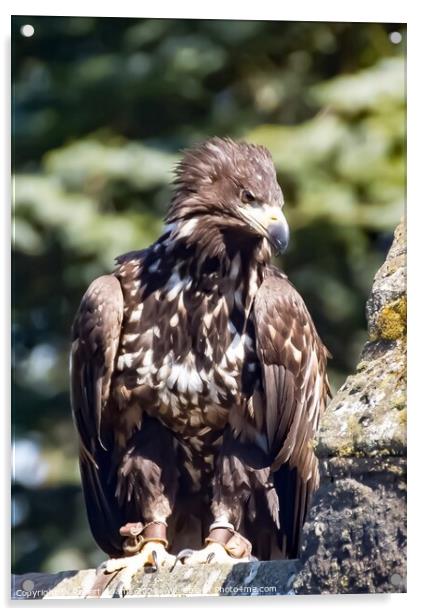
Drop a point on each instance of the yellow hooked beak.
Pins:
(270, 222)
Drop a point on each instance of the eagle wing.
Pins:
(293, 361)
(95, 338)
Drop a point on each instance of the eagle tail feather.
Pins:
(293, 496)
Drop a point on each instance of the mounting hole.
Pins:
(27, 30)
(395, 38)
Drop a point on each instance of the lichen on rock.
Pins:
(386, 307)
(391, 321)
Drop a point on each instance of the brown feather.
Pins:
(95, 335)
(293, 365)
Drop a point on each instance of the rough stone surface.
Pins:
(250, 579)
(355, 535)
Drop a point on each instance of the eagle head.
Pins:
(232, 186)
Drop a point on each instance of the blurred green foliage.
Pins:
(101, 107)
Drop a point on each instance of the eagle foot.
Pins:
(152, 557)
(223, 544)
(212, 553)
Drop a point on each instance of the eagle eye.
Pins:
(247, 196)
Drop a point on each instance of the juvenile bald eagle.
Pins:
(198, 378)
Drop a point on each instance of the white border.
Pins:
(300, 10)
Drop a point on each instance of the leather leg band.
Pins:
(137, 535)
(234, 544)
